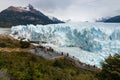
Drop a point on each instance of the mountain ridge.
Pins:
(13, 16)
(114, 19)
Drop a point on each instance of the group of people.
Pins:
(75, 61)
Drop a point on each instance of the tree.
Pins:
(110, 69)
(24, 44)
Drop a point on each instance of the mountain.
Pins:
(68, 20)
(102, 19)
(13, 16)
(55, 20)
(115, 19)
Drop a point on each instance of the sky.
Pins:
(76, 10)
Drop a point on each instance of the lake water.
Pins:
(5, 30)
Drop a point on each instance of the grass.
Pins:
(9, 42)
(16, 64)
(27, 66)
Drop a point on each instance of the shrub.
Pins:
(110, 69)
(24, 44)
(2, 44)
(8, 42)
(26, 66)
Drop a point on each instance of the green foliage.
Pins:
(2, 44)
(110, 69)
(26, 66)
(4, 75)
(7, 42)
(13, 43)
(24, 44)
(60, 63)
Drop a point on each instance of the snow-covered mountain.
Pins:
(114, 19)
(13, 16)
(55, 20)
(91, 43)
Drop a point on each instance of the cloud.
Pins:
(77, 10)
(6, 3)
(82, 10)
(52, 5)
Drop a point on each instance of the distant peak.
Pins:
(30, 7)
(21, 9)
(17, 9)
(11, 8)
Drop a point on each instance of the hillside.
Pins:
(34, 67)
(22, 16)
(115, 19)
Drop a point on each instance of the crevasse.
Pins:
(90, 37)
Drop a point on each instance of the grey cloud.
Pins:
(76, 10)
(53, 4)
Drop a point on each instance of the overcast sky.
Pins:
(76, 10)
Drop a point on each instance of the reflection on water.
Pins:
(5, 30)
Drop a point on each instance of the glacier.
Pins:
(91, 43)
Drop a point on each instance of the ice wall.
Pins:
(91, 43)
(87, 36)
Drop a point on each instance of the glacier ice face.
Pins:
(115, 35)
(97, 38)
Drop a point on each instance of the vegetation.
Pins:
(26, 66)
(24, 44)
(9, 42)
(110, 69)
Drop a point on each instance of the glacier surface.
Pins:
(91, 43)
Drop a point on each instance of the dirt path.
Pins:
(53, 56)
(84, 66)
(49, 54)
(45, 53)
(4, 36)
